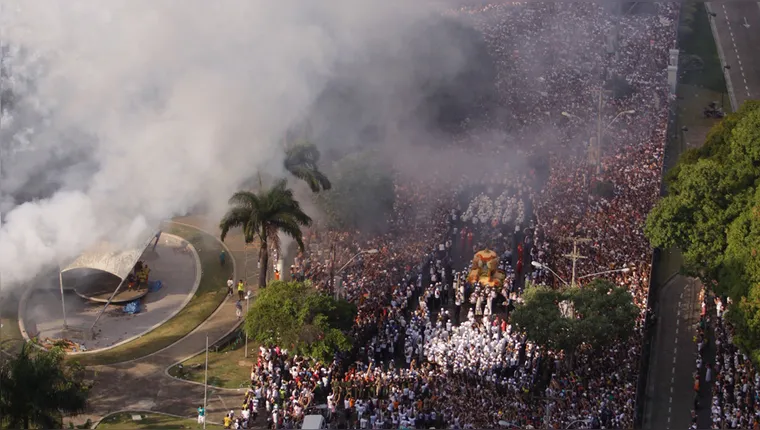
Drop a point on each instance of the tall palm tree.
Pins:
(264, 214)
(301, 161)
(37, 388)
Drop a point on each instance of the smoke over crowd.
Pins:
(119, 114)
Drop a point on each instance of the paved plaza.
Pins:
(177, 272)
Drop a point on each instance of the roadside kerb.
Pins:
(97, 423)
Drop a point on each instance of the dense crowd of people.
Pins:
(736, 390)
(433, 350)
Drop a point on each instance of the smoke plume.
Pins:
(118, 114)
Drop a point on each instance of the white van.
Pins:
(313, 422)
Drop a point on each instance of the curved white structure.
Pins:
(111, 259)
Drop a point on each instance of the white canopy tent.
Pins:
(109, 258)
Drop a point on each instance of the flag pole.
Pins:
(205, 387)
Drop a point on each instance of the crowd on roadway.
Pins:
(736, 390)
(434, 350)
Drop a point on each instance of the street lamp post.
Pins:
(332, 266)
(601, 130)
(538, 265)
(205, 386)
(368, 251)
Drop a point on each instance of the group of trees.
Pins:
(596, 315)
(712, 214)
(296, 316)
(363, 196)
(266, 213)
(38, 387)
(362, 199)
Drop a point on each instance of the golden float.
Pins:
(485, 270)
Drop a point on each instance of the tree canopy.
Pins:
(711, 213)
(264, 215)
(296, 316)
(601, 314)
(37, 388)
(363, 193)
(302, 161)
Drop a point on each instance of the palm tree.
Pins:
(301, 161)
(263, 215)
(37, 388)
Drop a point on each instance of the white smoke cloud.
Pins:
(134, 111)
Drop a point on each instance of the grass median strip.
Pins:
(125, 420)
(210, 294)
(227, 368)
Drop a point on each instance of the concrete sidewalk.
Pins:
(142, 384)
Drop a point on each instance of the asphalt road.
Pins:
(670, 394)
(736, 27)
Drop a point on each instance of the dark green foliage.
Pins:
(263, 215)
(295, 316)
(603, 313)
(362, 196)
(302, 161)
(711, 213)
(38, 387)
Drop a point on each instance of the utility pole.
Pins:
(598, 149)
(332, 267)
(2, 79)
(575, 255)
(63, 301)
(247, 308)
(205, 387)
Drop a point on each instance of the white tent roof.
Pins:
(109, 258)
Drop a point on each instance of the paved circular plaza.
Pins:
(173, 262)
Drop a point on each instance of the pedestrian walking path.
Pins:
(142, 384)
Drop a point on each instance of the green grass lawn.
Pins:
(696, 38)
(210, 294)
(123, 420)
(227, 368)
